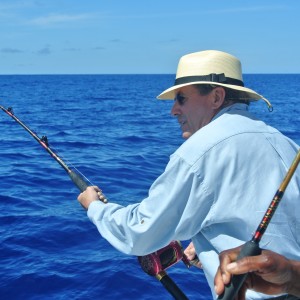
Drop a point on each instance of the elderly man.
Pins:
(219, 182)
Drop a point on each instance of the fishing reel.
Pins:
(160, 260)
(156, 263)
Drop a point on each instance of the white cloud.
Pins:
(59, 18)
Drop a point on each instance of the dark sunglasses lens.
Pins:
(180, 99)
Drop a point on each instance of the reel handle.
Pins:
(249, 249)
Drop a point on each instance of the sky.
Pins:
(145, 36)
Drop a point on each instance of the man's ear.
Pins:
(218, 97)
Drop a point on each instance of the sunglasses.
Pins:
(180, 99)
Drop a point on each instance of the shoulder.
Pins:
(232, 130)
(224, 127)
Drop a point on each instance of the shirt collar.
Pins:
(235, 107)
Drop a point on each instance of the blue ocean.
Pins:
(115, 132)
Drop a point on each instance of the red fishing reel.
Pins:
(164, 258)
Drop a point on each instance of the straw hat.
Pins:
(211, 67)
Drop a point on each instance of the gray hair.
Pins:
(230, 94)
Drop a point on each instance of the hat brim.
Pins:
(248, 94)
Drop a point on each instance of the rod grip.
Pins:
(78, 181)
(171, 286)
(249, 249)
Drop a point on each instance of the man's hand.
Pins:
(191, 255)
(270, 273)
(92, 193)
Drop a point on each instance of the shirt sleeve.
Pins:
(165, 215)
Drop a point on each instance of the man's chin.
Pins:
(186, 135)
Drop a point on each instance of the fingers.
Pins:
(260, 263)
(244, 265)
(191, 255)
(269, 272)
(92, 193)
(190, 251)
(196, 262)
(102, 197)
(226, 258)
(219, 284)
(223, 276)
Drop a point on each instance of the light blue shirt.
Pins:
(215, 191)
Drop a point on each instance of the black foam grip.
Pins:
(249, 249)
(78, 181)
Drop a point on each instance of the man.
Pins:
(271, 273)
(218, 184)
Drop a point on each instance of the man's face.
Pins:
(193, 110)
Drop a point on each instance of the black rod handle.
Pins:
(249, 249)
(82, 185)
(78, 181)
(171, 286)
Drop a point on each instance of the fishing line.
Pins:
(251, 248)
(79, 180)
(70, 164)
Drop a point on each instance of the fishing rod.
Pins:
(81, 184)
(251, 248)
(43, 141)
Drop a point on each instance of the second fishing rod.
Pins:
(251, 248)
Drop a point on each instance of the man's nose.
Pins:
(175, 111)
